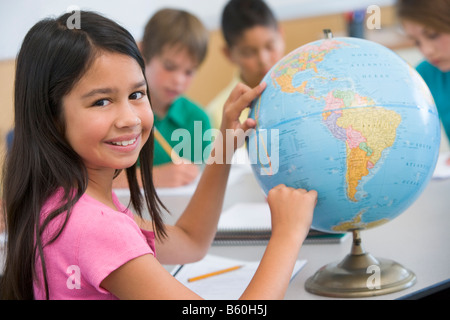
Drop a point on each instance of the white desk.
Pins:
(419, 239)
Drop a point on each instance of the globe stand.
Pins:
(360, 274)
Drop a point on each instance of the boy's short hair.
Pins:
(175, 27)
(240, 15)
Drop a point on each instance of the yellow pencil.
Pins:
(213, 273)
(166, 146)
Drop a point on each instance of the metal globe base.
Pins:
(360, 274)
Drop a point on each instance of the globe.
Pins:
(352, 120)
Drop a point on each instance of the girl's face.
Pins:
(434, 45)
(107, 113)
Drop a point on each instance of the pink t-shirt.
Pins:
(95, 241)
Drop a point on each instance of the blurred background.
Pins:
(303, 21)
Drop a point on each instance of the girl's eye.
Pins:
(136, 95)
(101, 103)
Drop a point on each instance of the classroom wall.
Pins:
(216, 71)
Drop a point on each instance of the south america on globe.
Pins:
(350, 119)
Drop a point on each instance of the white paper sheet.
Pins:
(226, 286)
(442, 170)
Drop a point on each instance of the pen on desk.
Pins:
(166, 146)
(207, 275)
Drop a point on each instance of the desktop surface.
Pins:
(418, 239)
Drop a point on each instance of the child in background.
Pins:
(428, 24)
(254, 43)
(173, 47)
(84, 115)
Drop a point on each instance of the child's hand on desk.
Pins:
(291, 210)
(172, 175)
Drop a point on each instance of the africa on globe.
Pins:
(349, 118)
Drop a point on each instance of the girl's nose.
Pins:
(127, 118)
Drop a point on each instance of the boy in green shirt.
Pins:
(173, 47)
(188, 142)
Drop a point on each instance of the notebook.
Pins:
(250, 224)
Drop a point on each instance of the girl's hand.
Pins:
(232, 130)
(292, 211)
(240, 98)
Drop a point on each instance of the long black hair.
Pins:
(53, 57)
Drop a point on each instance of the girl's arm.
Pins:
(190, 238)
(145, 278)
(291, 212)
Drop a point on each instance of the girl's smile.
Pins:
(125, 143)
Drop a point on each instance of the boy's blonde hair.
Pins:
(174, 27)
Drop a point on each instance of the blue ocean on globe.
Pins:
(351, 119)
